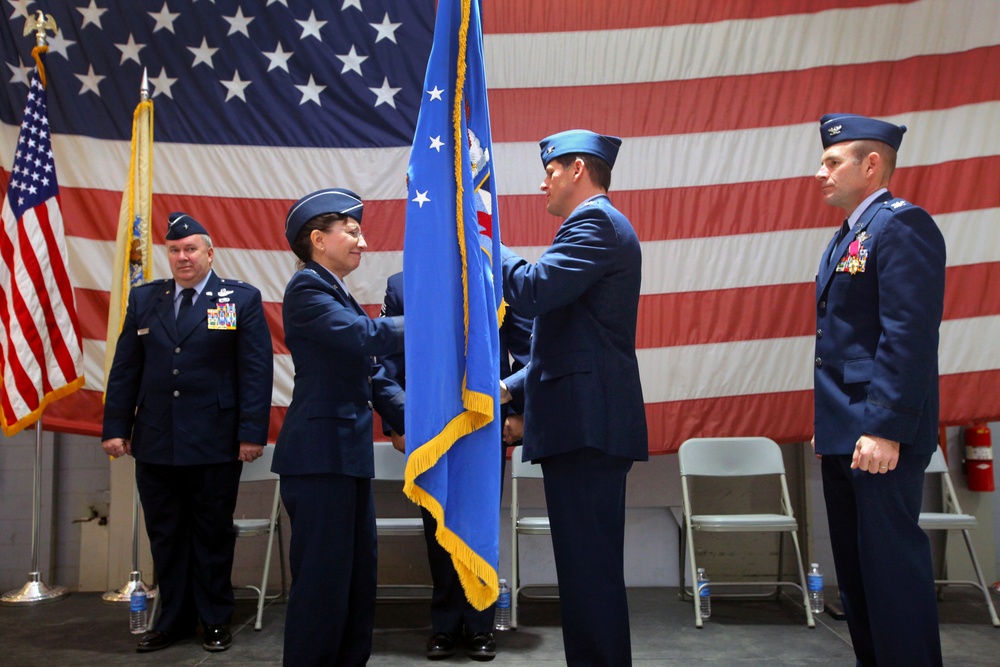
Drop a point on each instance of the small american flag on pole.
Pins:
(42, 352)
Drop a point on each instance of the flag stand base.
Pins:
(33, 592)
(123, 595)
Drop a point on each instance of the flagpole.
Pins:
(123, 594)
(35, 591)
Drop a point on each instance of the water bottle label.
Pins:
(503, 600)
(815, 582)
(137, 603)
(706, 592)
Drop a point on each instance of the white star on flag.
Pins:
(203, 53)
(91, 14)
(89, 81)
(311, 27)
(164, 19)
(352, 61)
(236, 87)
(278, 58)
(130, 50)
(385, 29)
(310, 91)
(385, 94)
(238, 23)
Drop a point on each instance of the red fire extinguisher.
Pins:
(979, 457)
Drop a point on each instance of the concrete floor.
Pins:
(80, 630)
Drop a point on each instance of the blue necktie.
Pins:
(187, 297)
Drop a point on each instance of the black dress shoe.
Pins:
(217, 638)
(482, 647)
(440, 646)
(153, 641)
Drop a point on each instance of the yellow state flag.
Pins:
(133, 247)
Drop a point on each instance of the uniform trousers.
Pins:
(451, 612)
(333, 559)
(883, 561)
(189, 520)
(585, 496)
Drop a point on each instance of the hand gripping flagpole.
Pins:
(35, 591)
(123, 594)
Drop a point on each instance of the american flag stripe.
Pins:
(40, 339)
(718, 104)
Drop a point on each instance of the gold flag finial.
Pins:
(39, 23)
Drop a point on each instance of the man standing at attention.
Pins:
(584, 419)
(879, 303)
(189, 397)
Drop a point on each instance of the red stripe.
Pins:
(532, 16)
(764, 100)
(43, 299)
(65, 357)
(82, 412)
(967, 397)
(25, 386)
(970, 291)
(660, 214)
(787, 415)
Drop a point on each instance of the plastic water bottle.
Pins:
(815, 584)
(704, 595)
(137, 612)
(502, 620)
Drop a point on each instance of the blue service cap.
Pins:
(835, 128)
(181, 225)
(580, 141)
(330, 200)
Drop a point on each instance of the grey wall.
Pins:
(76, 479)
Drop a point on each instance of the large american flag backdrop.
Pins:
(258, 103)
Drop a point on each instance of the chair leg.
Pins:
(810, 621)
(695, 587)
(515, 582)
(982, 582)
(281, 562)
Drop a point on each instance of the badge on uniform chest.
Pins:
(856, 257)
(223, 317)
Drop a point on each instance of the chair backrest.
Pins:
(259, 470)
(730, 457)
(389, 464)
(521, 468)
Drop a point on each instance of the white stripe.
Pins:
(644, 163)
(787, 364)
(759, 155)
(708, 371)
(681, 265)
(740, 47)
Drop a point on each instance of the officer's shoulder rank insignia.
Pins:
(897, 204)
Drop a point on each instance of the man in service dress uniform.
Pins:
(584, 418)
(189, 397)
(879, 303)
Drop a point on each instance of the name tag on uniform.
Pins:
(223, 317)
(143, 332)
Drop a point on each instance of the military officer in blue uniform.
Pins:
(584, 418)
(325, 453)
(189, 397)
(879, 303)
(453, 618)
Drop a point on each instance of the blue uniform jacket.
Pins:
(582, 386)
(328, 426)
(185, 393)
(877, 331)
